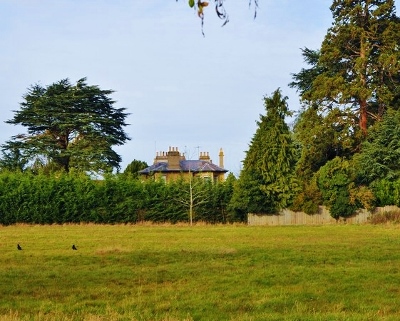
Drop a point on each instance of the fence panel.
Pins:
(288, 217)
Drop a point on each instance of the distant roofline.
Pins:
(162, 167)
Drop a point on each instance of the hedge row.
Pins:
(72, 198)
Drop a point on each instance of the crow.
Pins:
(74, 247)
(19, 247)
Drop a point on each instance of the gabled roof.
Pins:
(195, 166)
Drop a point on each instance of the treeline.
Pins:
(58, 198)
(74, 198)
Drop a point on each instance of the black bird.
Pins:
(74, 247)
(19, 247)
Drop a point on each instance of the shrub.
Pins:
(309, 199)
(333, 180)
(386, 192)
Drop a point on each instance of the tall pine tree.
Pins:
(267, 182)
(357, 66)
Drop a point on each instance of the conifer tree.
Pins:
(357, 66)
(69, 126)
(267, 182)
(380, 154)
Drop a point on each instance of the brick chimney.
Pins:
(205, 156)
(160, 157)
(173, 157)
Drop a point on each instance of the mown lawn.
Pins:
(128, 272)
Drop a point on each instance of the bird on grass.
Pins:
(74, 247)
(19, 247)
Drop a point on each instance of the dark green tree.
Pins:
(267, 181)
(334, 179)
(380, 154)
(134, 167)
(356, 68)
(71, 126)
(339, 192)
(12, 160)
(321, 138)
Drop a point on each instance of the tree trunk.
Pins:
(363, 122)
(363, 77)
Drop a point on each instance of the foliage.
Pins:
(134, 167)
(351, 82)
(334, 179)
(267, 182)
(362, 196)
(356, 68)
(248, 197)
(48, 198)
(222, 197)
(336, 182)
(164, 202)
(12, 160)
(61, 198)
(303, 81)
(380, 154)
(386, 192)
(69, 125)
(322, 137)
(195, 194)
(309, 198)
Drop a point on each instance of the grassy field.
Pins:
(127, 272)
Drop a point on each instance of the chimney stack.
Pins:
(221, 158)
(205, 156)
(174, 158)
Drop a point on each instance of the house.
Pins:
(172, 165)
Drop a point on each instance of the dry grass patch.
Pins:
(386, 217)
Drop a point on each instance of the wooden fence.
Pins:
(288, 217)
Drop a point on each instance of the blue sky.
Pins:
(181, 89)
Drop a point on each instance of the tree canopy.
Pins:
(356, 68)
(69, 126)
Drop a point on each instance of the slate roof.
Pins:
(194, 166)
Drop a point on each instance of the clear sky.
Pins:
(181, 89)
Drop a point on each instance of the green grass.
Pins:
(127, 272)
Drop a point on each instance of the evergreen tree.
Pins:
(267, 182)
(12, 160)
(71, 126)
(380, 154)
(357, 67)
(134, 167)
(321, 139)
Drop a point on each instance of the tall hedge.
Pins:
(72, 198)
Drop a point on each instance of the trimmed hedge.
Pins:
(72, 198)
